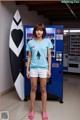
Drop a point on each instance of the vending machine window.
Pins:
(74, 45)
(66, 43)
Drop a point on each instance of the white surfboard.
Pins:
(16, 49)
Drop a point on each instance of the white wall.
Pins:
(29, 18)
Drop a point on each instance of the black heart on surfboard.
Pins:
(17, 36)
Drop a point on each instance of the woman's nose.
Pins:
(39, 30)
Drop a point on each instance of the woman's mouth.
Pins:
(39, 34)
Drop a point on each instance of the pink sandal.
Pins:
(44, 116)
(31, 115)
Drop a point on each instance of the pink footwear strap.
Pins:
(31, 114)
(44, 116)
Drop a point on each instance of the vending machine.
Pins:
(71, 57)
(55, 82)
(74, 53)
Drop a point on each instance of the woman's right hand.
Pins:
(28, 74)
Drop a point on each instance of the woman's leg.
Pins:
(33, 92)
(43, 82)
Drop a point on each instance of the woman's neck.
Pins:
(38, 38)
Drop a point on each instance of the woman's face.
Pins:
(39, 33)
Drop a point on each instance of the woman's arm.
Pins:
(49, 59)
(49, 63)
(29, 60)
(28, 64)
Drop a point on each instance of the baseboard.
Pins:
(7, 91)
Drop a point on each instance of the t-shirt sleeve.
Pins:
(28, 48)
(50, 46)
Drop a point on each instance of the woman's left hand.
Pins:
(49, 73)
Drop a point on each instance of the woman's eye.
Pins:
(39, 30)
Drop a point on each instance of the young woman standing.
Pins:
(39, 65)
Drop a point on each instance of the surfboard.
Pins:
(16, 50)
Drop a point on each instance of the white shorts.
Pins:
(38, 72)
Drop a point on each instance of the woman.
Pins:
(39, 65)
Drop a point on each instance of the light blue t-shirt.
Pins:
(39, 52)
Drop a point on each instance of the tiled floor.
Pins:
(69, 110)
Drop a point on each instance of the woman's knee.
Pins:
(33, 89)
(43, 89)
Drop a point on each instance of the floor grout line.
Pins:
(8, 106)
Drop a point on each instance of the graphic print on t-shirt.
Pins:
(38, 55)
